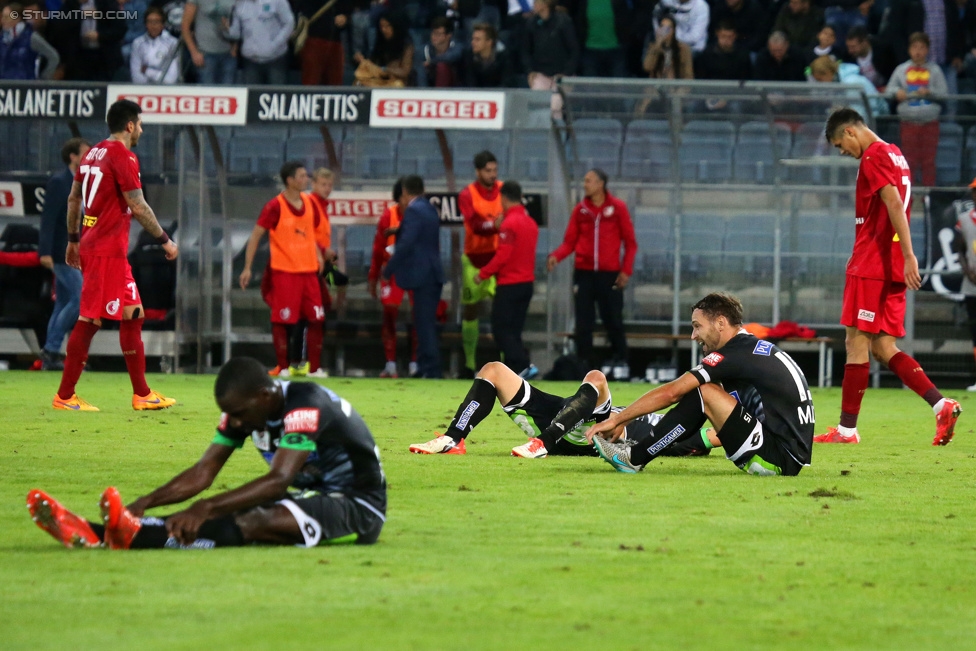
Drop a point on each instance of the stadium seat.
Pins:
(751, 252)
(948, 157)
(647, 151)
(309, 148)
(705, 153)
(530, 151)
(150, 149)
(465, 144)
(370, 155)
(598, 142)
(255, 154)
(702, 238)
(419, 152)
(971, 153)
(757, 152)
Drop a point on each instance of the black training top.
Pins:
(769, 385)
(343, 456)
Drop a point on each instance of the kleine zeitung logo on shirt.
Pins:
(302, 420)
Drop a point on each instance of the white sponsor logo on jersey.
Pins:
(864, 315)
(302, 420)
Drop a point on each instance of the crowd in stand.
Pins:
(487, 43)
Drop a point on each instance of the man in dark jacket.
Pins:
(780, 61)
(725, 59)
(52, 245)
(90, 49)
(484, 65)
(416, 262)
(873, 57)
(747, 16)
(549, 47)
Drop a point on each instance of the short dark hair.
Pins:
(840, 120)
(412, 185)
(120, 114)
(725, 25)
(858, 33)
(442, 22)
(719, 304)
(490, 32)
(482, 158)
(289, 169)
(512, 191)
(241, 375)
(600, 174)
(72, 147)
(919, 37)
(397, 190)
(155, 10)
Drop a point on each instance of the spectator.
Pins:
(20, 47)
(154, 57)
(691, 19)
(747, 17)
(549, 49)
(939, 19)
(513, 266)
(966, 10)
(390, 294)
(391, 61)
(263, 27)
(51, 248)
(598, 227)
(800, 22)
(827, 45)
(213, 54)
(416, 263)
(780, 61)
(90, 47)
(173, 10)
(917, 85)
(602, 29)
(135, 24)
(485, 64)
(442, 55)
(874, 57)
(826, 69)
(726, 59)
(667, 57)
(323, 58)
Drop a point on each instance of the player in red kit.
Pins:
(105, 195)
(879, 271)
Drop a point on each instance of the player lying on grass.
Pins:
(553, 424)
(753, 393)
(313, 441)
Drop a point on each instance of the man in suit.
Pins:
(416, 263)
(53, 242)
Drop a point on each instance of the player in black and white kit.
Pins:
(314, 443)
(555, 425)
(752, 392)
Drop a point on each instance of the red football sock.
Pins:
(280, 337)
(313, 338)
(388, 331)
(852, 392)
(909, 372)
(77, 355)
(130, 339)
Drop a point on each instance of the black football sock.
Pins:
(576, 410)
(681, 423)
(691, 446)
(98, 528)
(220, 532)
(473, 409)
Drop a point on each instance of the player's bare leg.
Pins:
(133, 351)
(857, 372)
(274, 525)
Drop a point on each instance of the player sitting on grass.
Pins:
(564, 419)
(753, 393)
(313, 441)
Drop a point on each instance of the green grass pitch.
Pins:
(873, 547)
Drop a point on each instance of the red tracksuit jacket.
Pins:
(514, 261)
(595, 235)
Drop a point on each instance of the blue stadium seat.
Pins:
(150, 149)
(254, 154)
(370, 155)
(757, 151)
(647, 151)
(750, 252)
(419, 152)
(223, 135)
(530, 152)
(465, 144)
(308, 148)
(948, 157)
(702, 239)
(598, 142)
(706, 151)
(971, 152)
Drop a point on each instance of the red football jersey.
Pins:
(877, 253)
(107, 171)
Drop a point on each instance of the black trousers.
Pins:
(508, 311)
(597, 287)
